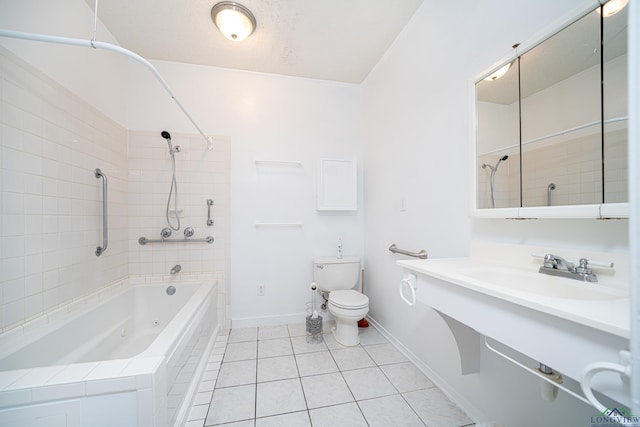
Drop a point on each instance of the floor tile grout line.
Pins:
(353, 395)
(349, 388)
(216, 381)
(255, 393)
(299, 377)
(277, 415)
(304, 396)
(412, 409)
(390, 382)
(214, 386)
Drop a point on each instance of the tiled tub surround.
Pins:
(201, 174)
(270, 376)
(51, 142)
(129, 355)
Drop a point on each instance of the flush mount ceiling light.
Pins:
(234, 21)
(499, 73)
(612, 7)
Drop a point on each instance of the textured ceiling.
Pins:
(339, 40)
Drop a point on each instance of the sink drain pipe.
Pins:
(548, 390)
(539, 372)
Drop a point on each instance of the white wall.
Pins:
(419, 98)
(266, 117)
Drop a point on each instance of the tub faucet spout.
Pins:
(176, 269)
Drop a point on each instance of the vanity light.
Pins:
(499, 73)
(612, 7)
(234, 21)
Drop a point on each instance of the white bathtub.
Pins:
(129, 355)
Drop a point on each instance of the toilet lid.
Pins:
(348, 299)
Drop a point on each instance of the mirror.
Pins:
(561, 128)
(551, 125)
(615, 105)
(498, 136)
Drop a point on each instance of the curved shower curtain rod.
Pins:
(114, 48)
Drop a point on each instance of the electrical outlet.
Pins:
(260, 290)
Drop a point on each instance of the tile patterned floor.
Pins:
(271, 376)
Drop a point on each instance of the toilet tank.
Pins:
(332, 273)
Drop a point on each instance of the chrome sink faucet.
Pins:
(176, 269)
(558, 266)
(557, 262)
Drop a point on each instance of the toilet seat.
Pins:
(348, 299)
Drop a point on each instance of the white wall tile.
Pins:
(51, 201)
(15, 397)
(36, 377)
(149, 184)
(33, 305)
(58, 392)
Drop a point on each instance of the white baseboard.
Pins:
(252, 322)
(468, 407)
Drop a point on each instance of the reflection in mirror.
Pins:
(552, 131)
(561, 117)
(498, 139)
(615, 107)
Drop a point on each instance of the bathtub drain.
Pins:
(171, 290)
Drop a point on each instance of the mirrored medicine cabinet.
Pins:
(551, 125)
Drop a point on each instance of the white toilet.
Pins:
(338, 276)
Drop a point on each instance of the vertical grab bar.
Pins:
(209, 204)
(105, 231)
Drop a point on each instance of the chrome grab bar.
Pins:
(422, 254)
(209, 204)
(105, 217)
(144, 240)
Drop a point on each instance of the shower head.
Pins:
(495, 168)
(501, 159)
(166, 135)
